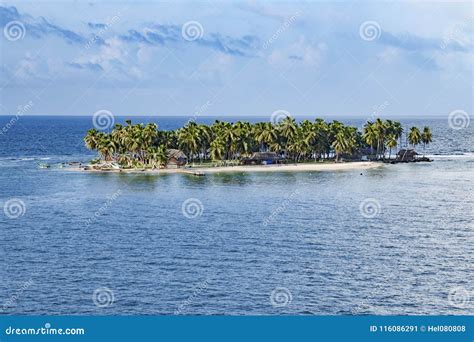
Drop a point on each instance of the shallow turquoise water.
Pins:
(256, 232)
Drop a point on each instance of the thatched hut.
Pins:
(176, 158)
(262, 158)
(406, 155)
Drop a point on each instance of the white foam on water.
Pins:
(466, 155)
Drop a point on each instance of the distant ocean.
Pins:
(393, 240)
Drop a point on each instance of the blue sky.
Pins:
(251, 58)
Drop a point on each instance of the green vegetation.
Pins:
(138, 145)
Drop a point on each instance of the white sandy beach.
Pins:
(294, 167)
(258, 168)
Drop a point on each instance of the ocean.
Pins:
(392, 240)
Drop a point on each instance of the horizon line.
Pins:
(355, 116)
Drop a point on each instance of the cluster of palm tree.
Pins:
(382, 135)
(145, 145)
(130, 145)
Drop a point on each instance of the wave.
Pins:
(24, 158)
(461, 155)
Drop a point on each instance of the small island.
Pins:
(262, 146)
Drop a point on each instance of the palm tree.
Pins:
(217, 149)
(426, 137)
(189, 139)
(106, 147)
(370, 135)
(414, 137)
(287, 128)
(146, 146)
(264, 134)
(91, 139)
(205, 134)
(162, 155)
(380, 130)
(339, 144)
(391, 143)
(398, 131)
(321, 143)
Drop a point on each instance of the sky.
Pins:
(236, 58)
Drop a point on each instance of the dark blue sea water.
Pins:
(393, 240)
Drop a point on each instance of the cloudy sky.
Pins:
(236, 58)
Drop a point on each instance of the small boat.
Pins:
(194, 173)
(43, 166)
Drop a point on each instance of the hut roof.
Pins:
(407, 152)
(177, 154)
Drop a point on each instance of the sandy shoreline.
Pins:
(295, 167)
(258, 168)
